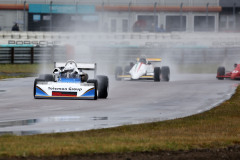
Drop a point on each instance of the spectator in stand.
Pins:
(139, 26)
(161, 29)
(15, 27)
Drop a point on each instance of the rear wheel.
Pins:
(102, 86)
(127, 69)
(118, 72)
(220, 72)
(46, 77)
(165, 73)
(157, 72)
(95, 82)
(84, 77)
(131, 64)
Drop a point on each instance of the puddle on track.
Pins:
(42, 120)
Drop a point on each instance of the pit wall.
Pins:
(149, 40)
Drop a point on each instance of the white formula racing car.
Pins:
(143, 69)
(68, 81)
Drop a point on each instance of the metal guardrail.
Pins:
(160, 40)
(111, 56)
(31, 54)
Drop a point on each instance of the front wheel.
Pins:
(157, 72)
(220, 72)
(165, 73)
(102, 86)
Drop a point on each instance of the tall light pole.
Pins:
(102, 21)
(24, 17)
(234, 15)
(76, 8)
(129, 16)
(76, 17)
(207, 16)
(155, 18)
(51, 16)
(181, 17)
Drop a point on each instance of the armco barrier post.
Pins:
(32, 55)
(12, 55)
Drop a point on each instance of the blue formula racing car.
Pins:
(68, 81)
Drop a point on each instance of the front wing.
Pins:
(227, 76)
(129, 77)
(59, 90)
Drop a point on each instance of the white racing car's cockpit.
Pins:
(143, 60)
(70, 70)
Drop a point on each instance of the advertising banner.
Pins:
(61, 9)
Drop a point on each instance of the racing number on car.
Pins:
(235, 71)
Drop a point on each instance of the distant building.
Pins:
(230, 15)
(112, 16)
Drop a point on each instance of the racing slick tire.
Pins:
(157, 72)
(102, 86)
(46, 77)
(84, 77)
(131, 64)
(118, 71)
(95, 85)
(127, 69)
(165, 73)
(220, 72)
(34, 86)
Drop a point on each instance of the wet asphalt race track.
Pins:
(129, 102)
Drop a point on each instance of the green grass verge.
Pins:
(219, 127)
(19, 68)
(7, 76)
(23, 70)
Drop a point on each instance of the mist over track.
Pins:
(129, 102)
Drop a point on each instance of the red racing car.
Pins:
(235, 74)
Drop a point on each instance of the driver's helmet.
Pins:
(235, 65)
(143, 60)
(70, 66)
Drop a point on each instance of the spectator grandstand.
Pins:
(111, 16)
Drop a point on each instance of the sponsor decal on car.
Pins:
(64, 89)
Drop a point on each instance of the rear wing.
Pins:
(82, 66)
(152, 59)
(85, 66)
